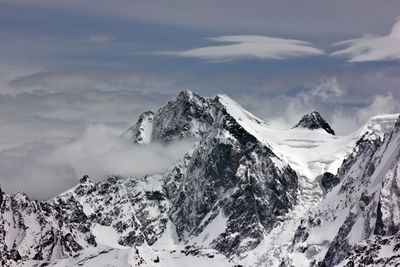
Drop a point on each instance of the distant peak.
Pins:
(314, 121)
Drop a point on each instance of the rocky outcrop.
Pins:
(314, 121)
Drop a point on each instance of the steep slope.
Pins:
(358, 220)
(141, 132)
(234, 178)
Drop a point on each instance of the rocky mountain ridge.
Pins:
(228, 201)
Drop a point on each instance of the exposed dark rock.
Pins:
(84, 179)
(329, 180)
(397, 125)
(314, 121)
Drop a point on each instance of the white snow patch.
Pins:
(216, 227)
(106, 235)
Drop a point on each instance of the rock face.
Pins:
(314, 121)
(232, 197)
(186, 116)
(232, 176)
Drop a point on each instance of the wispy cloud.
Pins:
(249, 46)
(57, 105)
(346, 99)
(372, 47)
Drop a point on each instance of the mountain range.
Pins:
(245, 194)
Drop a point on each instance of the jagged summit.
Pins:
(185, 116)
(314, 121)
(188, 115)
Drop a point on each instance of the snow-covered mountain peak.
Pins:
(237, 111)
(188, 115)
(314, 121)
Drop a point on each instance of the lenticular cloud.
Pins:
(372, 47)
(249, 46)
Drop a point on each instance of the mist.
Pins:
(44, 171)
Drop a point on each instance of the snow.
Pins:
(216, 227)
(205, 258)
(309, 152)
(106, 235)
(146, 129)
(357, 232)
(379, 125)
(12, 230)
(169, 239)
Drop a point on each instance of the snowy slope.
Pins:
(246, 193)
(357, 220)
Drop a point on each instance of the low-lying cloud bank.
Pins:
(43, 171)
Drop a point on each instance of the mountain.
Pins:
(245, 194)
(357, 222)
(314, 121)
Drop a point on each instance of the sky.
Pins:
(69, 69)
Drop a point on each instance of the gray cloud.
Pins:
(90, 77)
(58, 105)
(372, 47)
(249, 46)
(43, 171)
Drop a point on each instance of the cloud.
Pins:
(42, 170)
(346, 100)
(326, 90)
(372, 48)
(349, 120)
(89, 77)
(57, 105)
(249, 46)
(380, 104)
